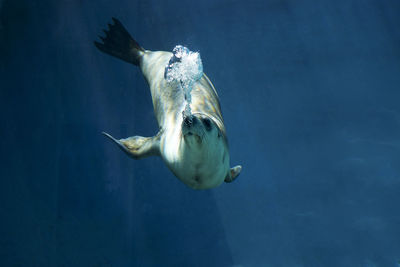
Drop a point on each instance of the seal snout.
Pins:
(191, 127)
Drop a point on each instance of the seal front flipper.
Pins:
(138, 147)
(119, 43)
(233, 173)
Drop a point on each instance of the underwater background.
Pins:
(310, 93)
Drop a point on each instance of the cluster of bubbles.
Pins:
(184, 68)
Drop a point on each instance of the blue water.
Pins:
(311, 101)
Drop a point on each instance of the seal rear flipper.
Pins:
(119, 43)
(138, 147)
(233, 173)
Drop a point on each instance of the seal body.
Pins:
(194, 147)
(198, 157)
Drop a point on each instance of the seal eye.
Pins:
(207, 124)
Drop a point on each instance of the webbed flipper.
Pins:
(138, 147)
(119, 43)
(233, 173)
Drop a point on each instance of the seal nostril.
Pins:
(188, 121)
(207, 124)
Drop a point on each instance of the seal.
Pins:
(194, 146)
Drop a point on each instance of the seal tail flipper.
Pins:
(119, 43)
(138, 147)
(233, 173)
